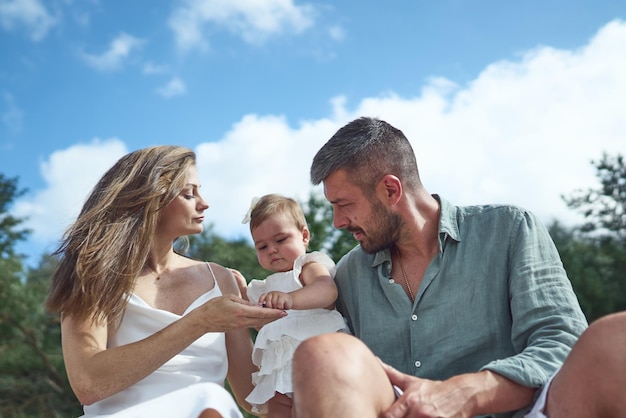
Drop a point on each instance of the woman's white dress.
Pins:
(277, 341)
(190, 382)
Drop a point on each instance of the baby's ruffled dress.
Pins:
(277, 341)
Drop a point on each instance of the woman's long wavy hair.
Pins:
(103, 251)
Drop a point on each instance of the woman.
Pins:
(145, 330)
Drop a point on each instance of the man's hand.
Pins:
(466, 395)
(428, 398)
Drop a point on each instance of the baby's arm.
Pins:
(319, 291)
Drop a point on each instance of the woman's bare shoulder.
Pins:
(225, 278)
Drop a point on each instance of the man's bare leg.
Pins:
(336, 375)
(592, 380)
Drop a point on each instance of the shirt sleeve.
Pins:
(314, 257)
(546, 316)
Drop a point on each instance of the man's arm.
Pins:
(465, 395)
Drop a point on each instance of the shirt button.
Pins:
(414, 317)
(392, 281)
(418, 364)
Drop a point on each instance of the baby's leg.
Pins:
(279, 406)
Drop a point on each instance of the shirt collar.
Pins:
(448, 220)
(448, 227)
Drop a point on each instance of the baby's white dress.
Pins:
(190, 382)
(277, 341)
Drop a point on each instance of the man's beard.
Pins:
(384, 230)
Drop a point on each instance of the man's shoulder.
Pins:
(481, 220)
(452, 214)
(492, 211)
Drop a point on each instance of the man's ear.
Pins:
(390, 189)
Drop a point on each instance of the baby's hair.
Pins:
(272, 204)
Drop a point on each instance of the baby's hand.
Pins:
(276, 300)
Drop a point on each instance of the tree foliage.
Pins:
(236, 253)
(594, 254)
(10, 230)
(324, 236)
(604, 208)
(32, 376)
(595, 268)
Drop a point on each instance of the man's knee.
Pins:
(605, 339)
(610, 326)
(319, 351)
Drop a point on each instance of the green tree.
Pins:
(10, 230)
(32, 376)
(324, 236)
(604, 208)
(594, 253)
(236, 253)
(593, 268)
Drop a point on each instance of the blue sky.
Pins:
(504, 102)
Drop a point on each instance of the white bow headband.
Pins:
(253, 203)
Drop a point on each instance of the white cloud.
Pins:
(120, 48)
(31, 14)
(258, 155)
(175, 87)
(253, 21)
(522, 132)
(70, 174)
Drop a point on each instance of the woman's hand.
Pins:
(228, 312)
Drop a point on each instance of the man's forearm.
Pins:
(492, 393)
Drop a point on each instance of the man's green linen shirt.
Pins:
(495, 297)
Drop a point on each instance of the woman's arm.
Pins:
(240, 366)
(238, 342)
(96, 372)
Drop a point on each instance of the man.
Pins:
(458, 311)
